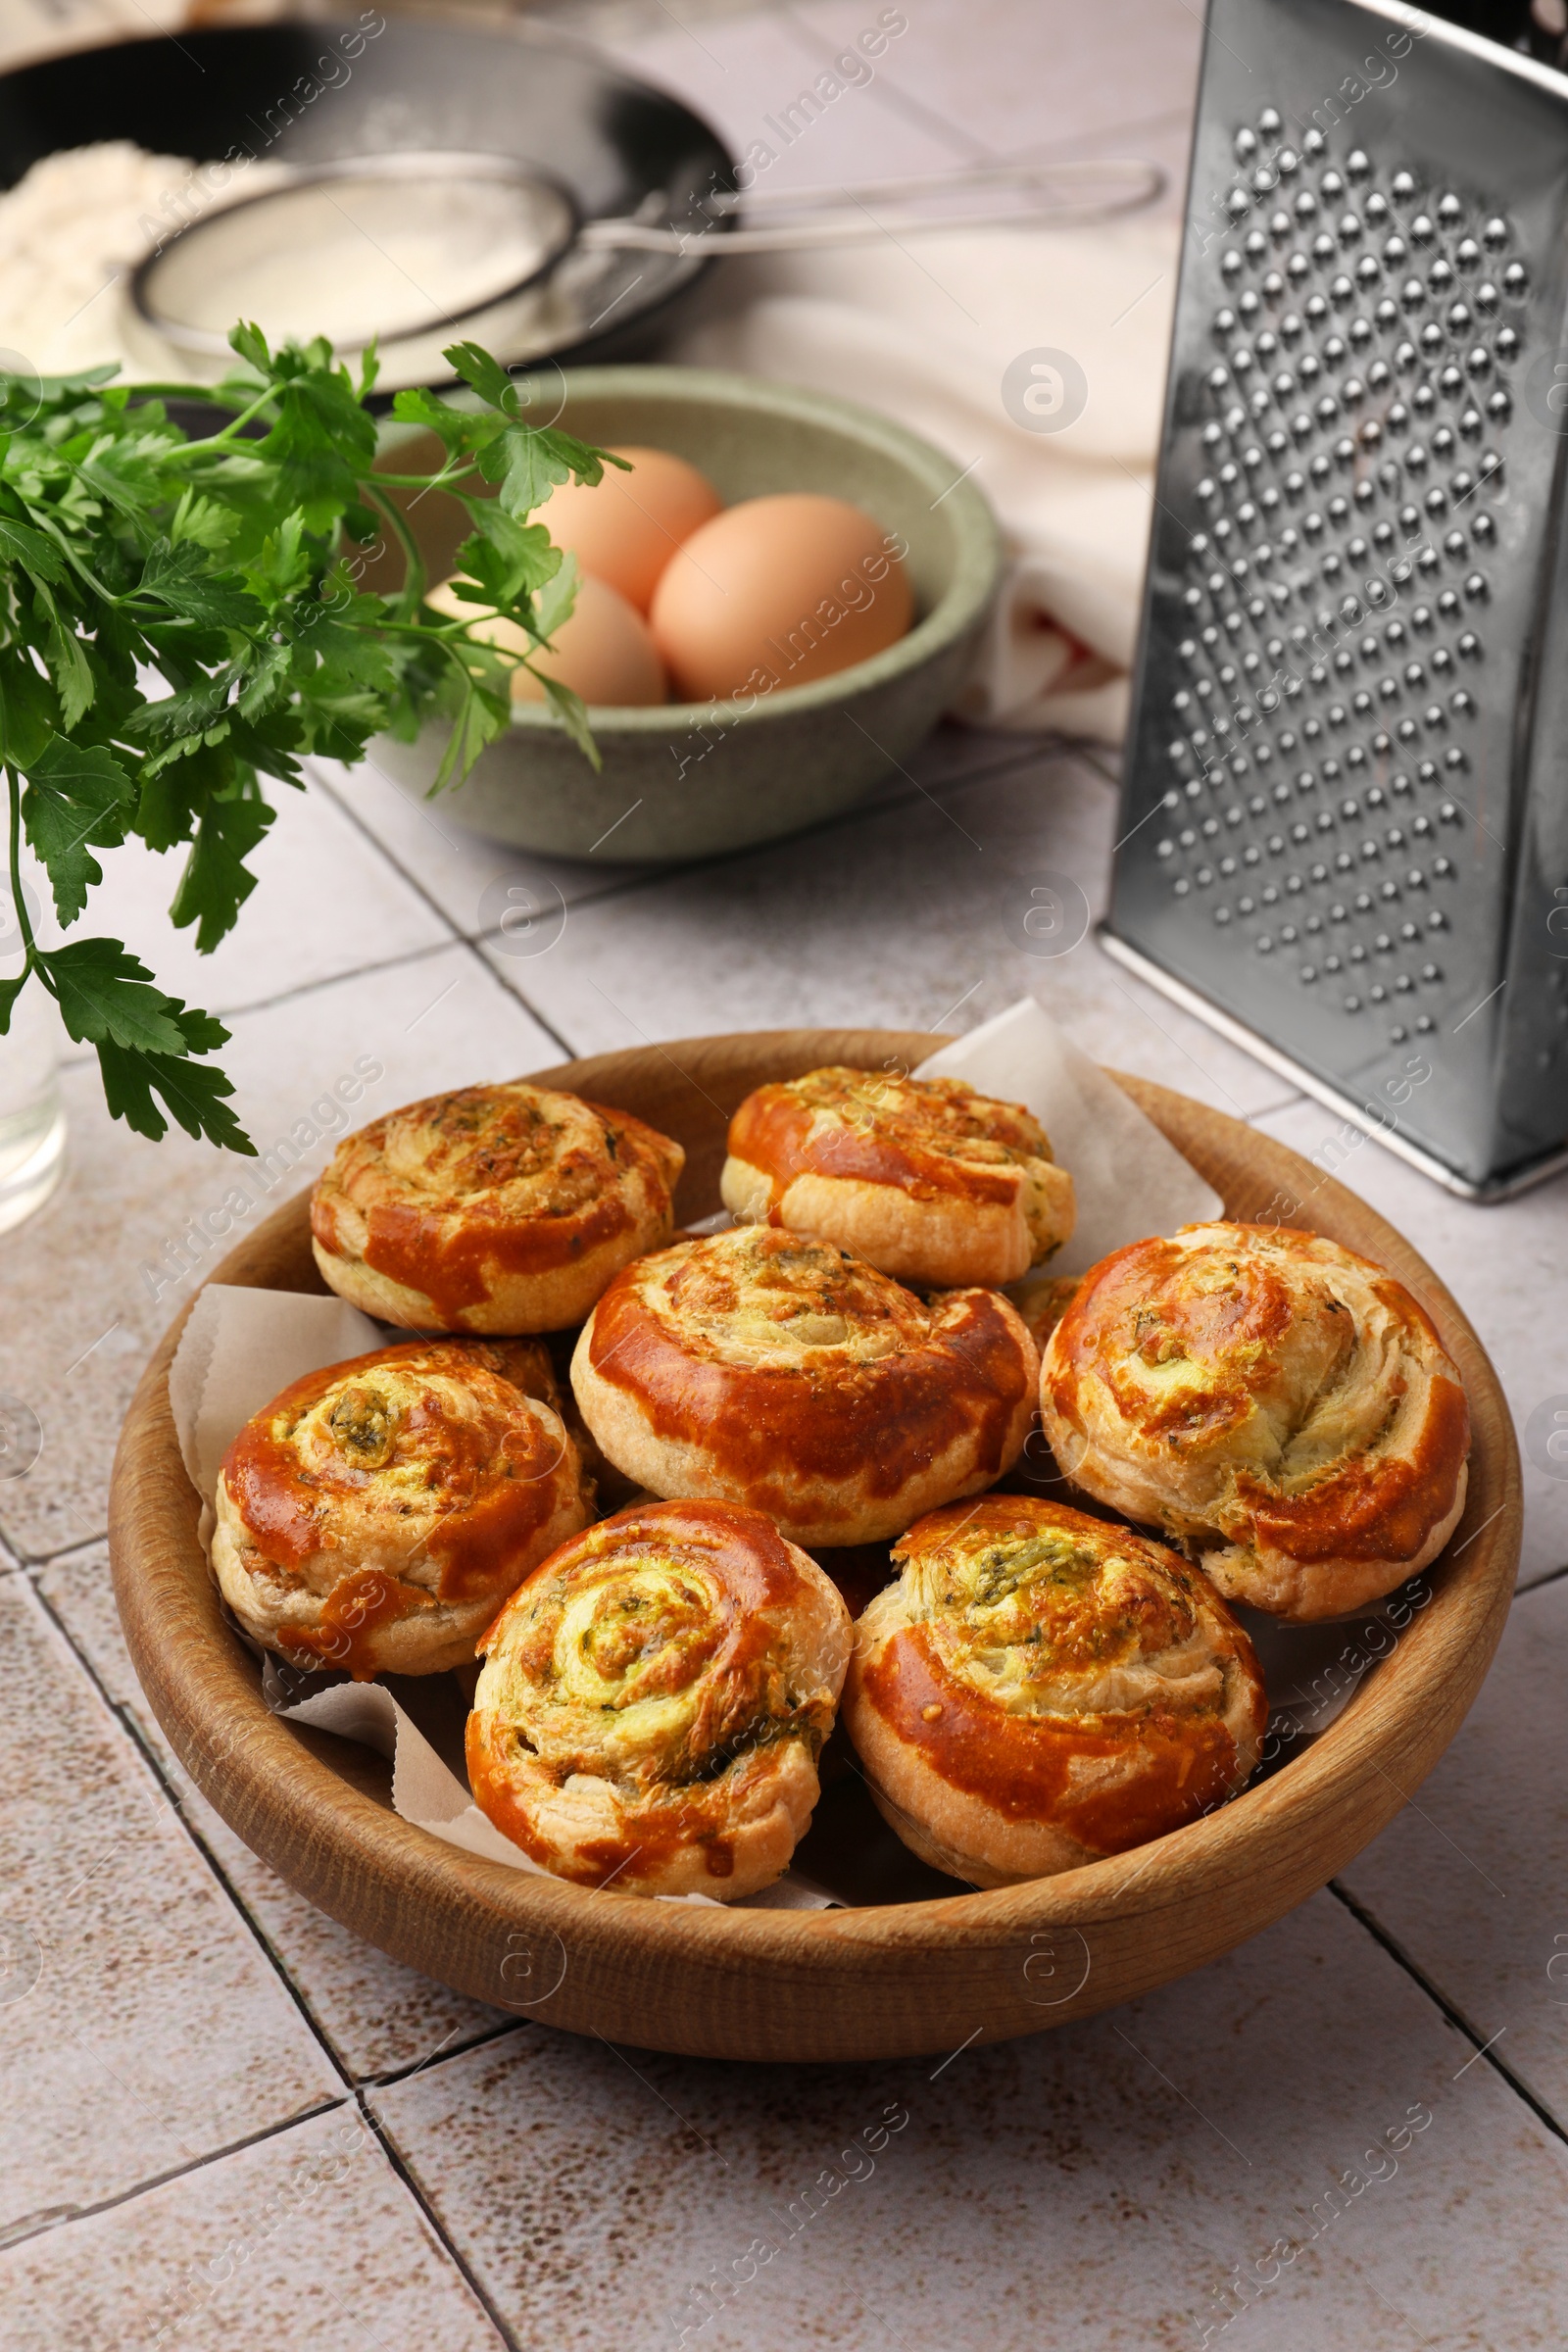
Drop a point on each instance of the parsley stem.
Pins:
(17, 902)
(236, 425)
(423, 482)
(412, 596)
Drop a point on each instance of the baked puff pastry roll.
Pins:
(778, 1372)
(923, 1177)
(1040, 1689)
(497, 1208)
(1279, 1407)
(653, 1701)
(378, 1512)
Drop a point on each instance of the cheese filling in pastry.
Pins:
(497, 1208)
(779, 1372)
(378, 1512)
(653, 1702)
(1280, 1408)
(1040, 1689)
(923, 1177)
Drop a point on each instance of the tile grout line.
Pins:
(31, 1561)
(19, 2234)
(896, 101)
(1455, 2016)
(1551, 1577)
(173, 1799)
(342, 802)
(351, 2095)
(341, 799)
(1019, 754)
(564, 1045)
(394, 2156)
(396, 2075)
(309, 988)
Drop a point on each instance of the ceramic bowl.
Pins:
(690, 779)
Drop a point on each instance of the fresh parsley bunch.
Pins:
(226, 569)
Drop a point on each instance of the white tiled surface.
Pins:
(307, 2239)
(157, 2032)
(1091, 2187)
(377, 2017)
(182, 2053)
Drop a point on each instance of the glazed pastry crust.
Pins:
(778, 1372)
(497, 1208)
(1277, 1407)
(1040, 1690)
(923, 1177)
(378, 1511)
(653, 1702)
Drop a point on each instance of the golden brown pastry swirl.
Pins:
(497, 1208)
(923, 1177)
(1279, 1407)
(378, 1512)
(653, 1702)
(1040, 1689)
(787, 1375)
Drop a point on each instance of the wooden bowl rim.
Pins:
(258, 1772)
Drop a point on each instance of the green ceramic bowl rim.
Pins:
(963, 602)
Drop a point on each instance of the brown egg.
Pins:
(625, 530)
(603, 649)
(776, 591)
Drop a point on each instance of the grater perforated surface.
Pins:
(1356, 532)
(1362, 392)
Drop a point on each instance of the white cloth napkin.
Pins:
(927, 330)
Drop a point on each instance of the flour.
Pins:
(71, 233)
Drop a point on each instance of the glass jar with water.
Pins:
(33, 1119)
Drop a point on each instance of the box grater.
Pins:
(1345, 829)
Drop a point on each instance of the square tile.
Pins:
(1019, 76)
(145, 2027)
(309, 2240)
(95, 1278)
(467, 877)
(769, 93)
(1503, 1264)
(327, 901)
(1468, 1881)
(1127, 2173)
(482, 885)
(378, 2016)
(929, 912)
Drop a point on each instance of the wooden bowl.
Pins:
(880, 1981)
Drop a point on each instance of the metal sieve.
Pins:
(409, 246)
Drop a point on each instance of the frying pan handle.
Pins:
(1044, 194)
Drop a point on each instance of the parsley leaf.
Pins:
(195, 1097)
(217, 882)
(78, 799)
(181, 619)
(104, 991)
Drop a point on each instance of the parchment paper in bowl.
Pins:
(1130, 1181)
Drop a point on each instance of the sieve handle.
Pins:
(1045, 194)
